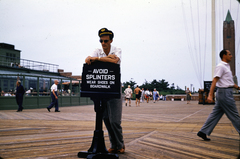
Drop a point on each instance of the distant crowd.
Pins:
(9, 93)
(142, 95)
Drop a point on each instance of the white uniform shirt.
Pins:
(54, 88)
(223, 71)
(114, 50)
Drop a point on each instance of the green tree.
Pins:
(160, 85)
(172, 87)
(163, 84)
(145, 85)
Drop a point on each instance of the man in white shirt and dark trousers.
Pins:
(113, 112)
(225, 102)
(54, 97)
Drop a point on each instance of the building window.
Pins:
(12, 85)
(7, 57)
(5, 85)
(10, 57)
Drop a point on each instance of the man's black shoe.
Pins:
(57, 111)
(203, 136)
(48, 109)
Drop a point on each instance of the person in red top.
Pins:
(147, 94)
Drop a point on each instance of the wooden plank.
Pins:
(153, 130)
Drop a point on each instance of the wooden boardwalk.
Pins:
(166, 129)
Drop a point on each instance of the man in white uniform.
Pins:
(225, 102)
(113, 112)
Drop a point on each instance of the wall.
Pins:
(9, 103)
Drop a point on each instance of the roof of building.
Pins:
(228, 17)
(14, 65)
(8, 46)
(5, 70)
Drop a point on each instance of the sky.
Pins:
(159, 39)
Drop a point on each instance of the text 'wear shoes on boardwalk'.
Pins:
(203, 136)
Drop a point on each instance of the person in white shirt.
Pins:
(225, 102)
(113, 111)
(147, 94)
(54, 97)
(161, 97)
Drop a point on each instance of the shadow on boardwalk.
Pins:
(164, 129)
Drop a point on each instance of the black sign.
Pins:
(101, 79)
(207, 86)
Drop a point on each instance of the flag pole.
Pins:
(213, 38)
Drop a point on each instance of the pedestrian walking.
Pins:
(142, 98)
(147, 94)
(19, 95)
(137, 91)
(188, 94)
(155, 95)
(54, 97)
(225, 102)
(128, 95)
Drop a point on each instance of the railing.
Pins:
(29, 64)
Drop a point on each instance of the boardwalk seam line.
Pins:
(138, 139)
(191, 114)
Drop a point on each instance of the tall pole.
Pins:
(213, 39)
